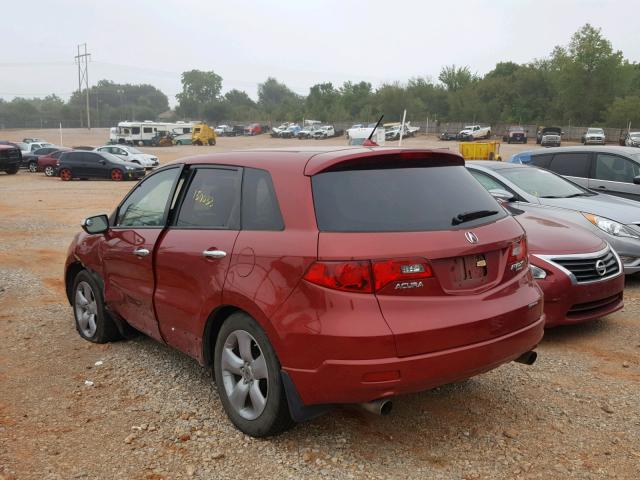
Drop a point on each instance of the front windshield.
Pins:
(635, 136)
(133, 150)
(541, 183)
(595, 130)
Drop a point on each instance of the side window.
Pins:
(573, 164)
(260, 209)
(488, 182)
(147, 130)
(91, 157)
(615, 169)
(135, 130)
(212, 200)
(147, 205)
(541, 160)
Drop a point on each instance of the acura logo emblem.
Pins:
(601, 268)
(472, 237)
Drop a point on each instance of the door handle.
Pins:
(141, 252)
(601, 187)
(214, 254)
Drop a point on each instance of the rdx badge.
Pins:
(406, 285)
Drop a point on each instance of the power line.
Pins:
(83, 77)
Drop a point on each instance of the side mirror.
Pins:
(96, 224)
(636, 180)
(504, 195)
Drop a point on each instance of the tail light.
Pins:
(365, 276)
(518, 254)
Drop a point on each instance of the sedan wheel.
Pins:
(33, 167)
(48, 171)
(116, 175)
(86, 309)
(65, 175)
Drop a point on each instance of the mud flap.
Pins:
(298, 410)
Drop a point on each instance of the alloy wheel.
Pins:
(65, 174)
(48, 171)
(86, 309)
(245, 374)
(116, 175)
(33, 167)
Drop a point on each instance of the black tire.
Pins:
(275, 417)
(12, 170)
(105, 328)
(212, 142)
(33, 167)
(197, 142)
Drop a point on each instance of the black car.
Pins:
(83, 164)
(10, 159)
(236, 131)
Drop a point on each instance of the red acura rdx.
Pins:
(312, 277)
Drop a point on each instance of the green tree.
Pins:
(624, 110)
(199, 88)
(456, 78)
(278, 101)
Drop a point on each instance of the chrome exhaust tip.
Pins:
(380, 407)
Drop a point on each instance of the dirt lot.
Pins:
(153, 413)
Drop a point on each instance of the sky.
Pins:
(299, 42)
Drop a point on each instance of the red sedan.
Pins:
(580, 275)
(48, 163)
(310, 277)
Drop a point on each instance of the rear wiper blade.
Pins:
(467, 216)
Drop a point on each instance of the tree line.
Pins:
(585, 82)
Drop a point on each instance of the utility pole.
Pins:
(83, 77)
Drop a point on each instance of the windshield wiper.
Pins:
(468, 216)
(550, 196)
(582, 194)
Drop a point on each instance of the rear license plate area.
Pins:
(470, 271)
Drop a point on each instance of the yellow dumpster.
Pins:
(480, 150)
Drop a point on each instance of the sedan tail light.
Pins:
(518, 254)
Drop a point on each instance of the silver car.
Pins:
(612, 170)
(615, 220)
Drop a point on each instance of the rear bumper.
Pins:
(345, 381)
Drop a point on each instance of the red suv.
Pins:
(308, 278)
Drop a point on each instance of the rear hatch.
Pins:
(439, 249)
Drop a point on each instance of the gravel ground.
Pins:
(140, 410)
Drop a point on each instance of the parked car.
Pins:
(131, 154)
(25, 155)
(613, 170)
(392, 131)
(33, 140)
(594, 136)
(515, 134)
(632, 139)
(10, 159)
(474, 132)
(307, 132)
(236, 131)
(33, 146)
(253, 129)
(291, 131)
(262, 254)
(223, 130)
(358, 135)
(324, 132)
(83, 147)
(276, 131)
(549, 136)
(83, 164)
(30, 161)
(580, 274)
(184, 139)
(613, 219)
(447, 136)
(49, 163)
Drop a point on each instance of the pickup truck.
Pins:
(475, 132)
(549, 136)
(308, 132)
(10, 159)
(594, 136)
(291, 131)
(515, 134)
(326, 131)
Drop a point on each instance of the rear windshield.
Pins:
(400, 200)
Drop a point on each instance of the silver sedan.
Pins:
(614, 219)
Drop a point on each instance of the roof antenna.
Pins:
(368, 142)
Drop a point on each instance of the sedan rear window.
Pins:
(401, 200)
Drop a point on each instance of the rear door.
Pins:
(193, 256)
(575, 166)
(130, 247)
(614, 174)
(400, 218)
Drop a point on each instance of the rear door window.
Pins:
(615, 168)
(212, 200)
(260, 209)
(400, 199)
(541, 160)
(572, 164)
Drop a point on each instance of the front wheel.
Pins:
(33, 167)
(65, 175)
(116, 175)
(93, 323)
(48, 171)
(247, 375)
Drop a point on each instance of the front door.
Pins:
(194, 254)
(130, 247)
(614, 175)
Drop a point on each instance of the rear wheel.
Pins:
(33, 167)
(212, 142)
(247, 375)
(65, 175)
(93, 323)
(48, 171)
(116, 175)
